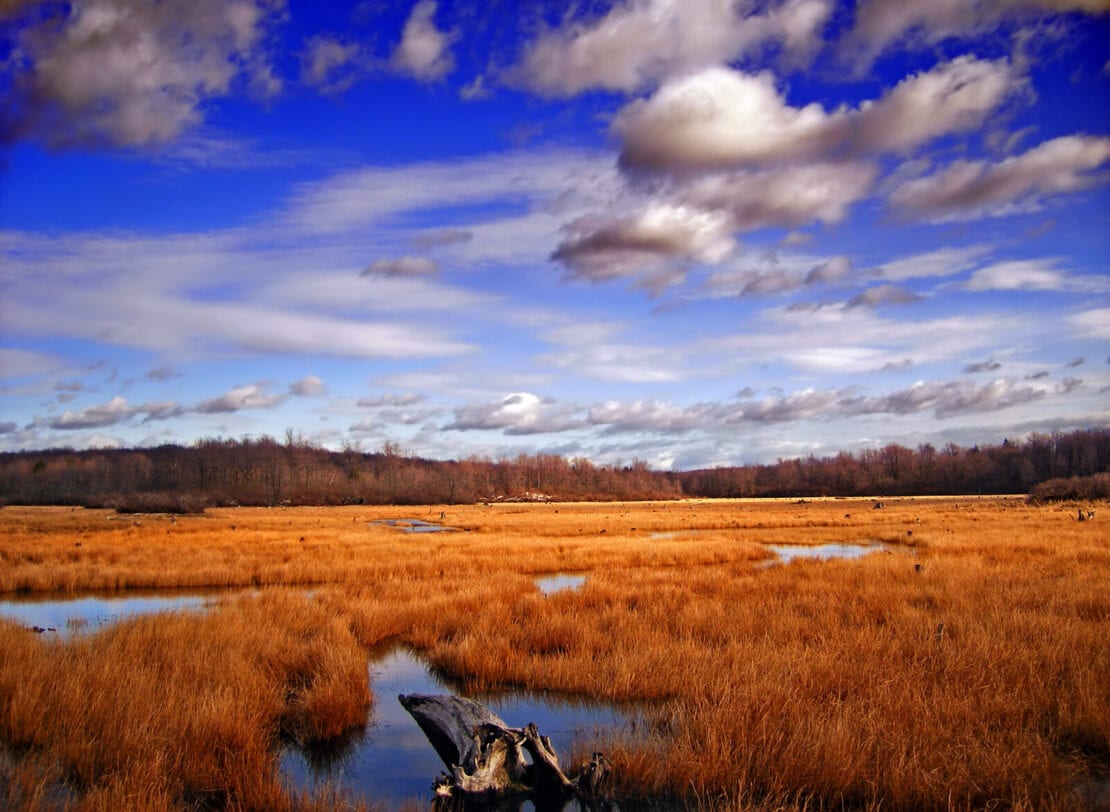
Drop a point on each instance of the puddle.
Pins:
(416, 526)
(74, 614)
(822, 552)
(560, 581)
(391, 762)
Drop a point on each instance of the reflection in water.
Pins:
(788, 552)
(415, 526)
(69, 615)
(393, 762)
(549, 584)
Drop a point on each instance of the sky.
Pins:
(690, 233)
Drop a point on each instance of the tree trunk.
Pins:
(485, 757)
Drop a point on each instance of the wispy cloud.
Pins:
(967, 189)
(660, 38)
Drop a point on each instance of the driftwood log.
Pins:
(486, 761)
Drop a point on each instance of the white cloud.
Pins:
(1031, 274)
(881, 23)
(308, 386)
(646, 415)
(600, 248)
(621, 363)
(967, 189)
(939, 263)
(784, 196)
(639, 42)
(424, 50)
(1092, 323)
(113, 412)
(837, 339)
(516, 414)
(253, 396)
(135, 73)
(379, 195)
(720, 118)
(953, 97)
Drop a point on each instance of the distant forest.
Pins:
(258, 472)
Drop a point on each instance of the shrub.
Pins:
(158, 502)
(1074, 488)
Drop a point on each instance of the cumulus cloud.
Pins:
(721, 118)
(947, 398)
(966, 189)
(601, 248)
(330, 65)
(395, 409)
(424, 50)
(113, 412)
(519, 413)
(253, 396)
(401, 267)
(639, 42)
(784, 196)
(308, 386)
(135, 73)
(107, 414)
(647, 415)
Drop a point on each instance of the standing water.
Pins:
(392, 762)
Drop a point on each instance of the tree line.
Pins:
(266, 471)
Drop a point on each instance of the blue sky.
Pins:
(688, 232)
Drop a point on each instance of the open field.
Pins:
(965, 666)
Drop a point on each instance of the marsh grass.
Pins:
(178, 709)
(964, 667)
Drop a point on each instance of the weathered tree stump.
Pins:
(485, 757)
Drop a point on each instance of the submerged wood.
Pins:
(485, 757)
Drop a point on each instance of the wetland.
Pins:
(663, 634)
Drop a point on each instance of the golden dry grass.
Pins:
(817, 685)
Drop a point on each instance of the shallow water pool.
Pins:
(391, 761)
(66, 615)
